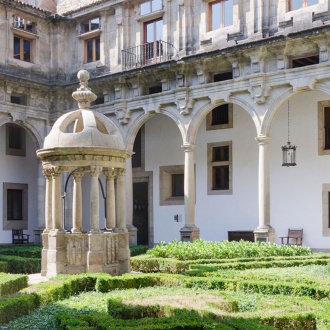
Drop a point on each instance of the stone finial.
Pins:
(83, 95)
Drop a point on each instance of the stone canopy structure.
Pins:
(85, 142)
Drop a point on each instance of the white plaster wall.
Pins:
(296, 192)
(16, 169)
(163, 147)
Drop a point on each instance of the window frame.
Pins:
(15, 224)
(222, 21)
(165, 185)
(94, 51)
(21, 51)
(321, 128)
(25, 23)
(210, 127)
(151, 11)
(15, 151)
(89, 22)
(212, 164)
(304, 5)
(326, 209)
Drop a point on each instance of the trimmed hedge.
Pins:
(24, 250)
(10, 283)
(138, 249)
(147, 264)
(20, 265)
(3, 267)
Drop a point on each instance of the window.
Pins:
(326, 209)
(223, 76)
(92, 50)
(220, 117)
(171, 185)
(221, 14)
(22, 49)
(297, 4)
(177, 185)
(324, 127)
(155, 89)
(15, 140)
(90, 25)
(305, 61)
(219, 168)
(24, 24)
(137, 149)
(18, 99)
(150, 6)
(153, 34)
(15, 202)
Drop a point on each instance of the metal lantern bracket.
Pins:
(289, 151)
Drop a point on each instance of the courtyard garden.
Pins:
(179, 285)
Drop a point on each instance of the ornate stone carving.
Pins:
(111, 249)
(83, 95)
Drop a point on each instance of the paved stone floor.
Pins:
(37, 278)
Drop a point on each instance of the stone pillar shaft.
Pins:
(189, 186)
(110, 199)
(121, 198)
(95, 199)
(48, 202)
(264, 183)
(57, 219)
(77, 203)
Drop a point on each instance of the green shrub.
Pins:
(24, 250)
(146, 264)
(20, 265)
(200, 249)
(10, 283)
(3, 267)
(138, 249)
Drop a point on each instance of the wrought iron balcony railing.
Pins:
(147, 54)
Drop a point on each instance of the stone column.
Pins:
(41, 198)
(48, 201)
(129, 203)
(121, 199)
(57, 219)
(48, 220)
(95, 199)
(110, 199)
(189, 232)
(264, 231)
(77, 203)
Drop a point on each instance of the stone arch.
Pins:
(142, 118)
(36, 137)
(201, 113)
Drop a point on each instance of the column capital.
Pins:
(110, 174)
(55, 171)
(95, 170)
(78, 175)
(263, 139)
(120, 171)
(188, 147)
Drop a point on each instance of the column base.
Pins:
(266, 234)
(132, 235)
(189, 234)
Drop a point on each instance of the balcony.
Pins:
(147, 54)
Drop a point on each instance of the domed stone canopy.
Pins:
(88, 129)
(85, 142)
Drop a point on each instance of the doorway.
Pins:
(141, 211)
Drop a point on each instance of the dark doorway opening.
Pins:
(140, 212)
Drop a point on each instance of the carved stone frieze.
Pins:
(111, 242)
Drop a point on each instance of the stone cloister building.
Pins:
(205, 93)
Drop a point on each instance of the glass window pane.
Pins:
(150, 35)
(296, 4)
(215, 8)
(17, 47)
(177, 185)
(159, 30)
(89, 51)
(14, 204)
(97, 50)
(156, 5)
(27, 50)
(145, 8)
(29, 26)
(95, 24)
(15, 137)
(228, 12)
(221, 177)
(312, 2)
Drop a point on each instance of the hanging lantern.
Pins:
(289, 151)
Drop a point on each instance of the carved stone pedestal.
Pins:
(264, 235)
(189, 234)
